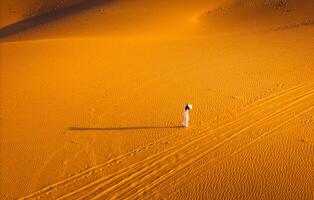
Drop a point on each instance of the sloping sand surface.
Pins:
(14, 11)
(91, 102)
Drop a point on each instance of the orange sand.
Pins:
(91, 102)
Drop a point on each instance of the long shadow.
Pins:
(122, 128)
(48, 17)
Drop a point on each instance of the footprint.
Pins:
(233, 97)
(309, 121)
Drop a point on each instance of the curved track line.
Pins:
(259, 103)
(109, 179)
(153, 185)
(112, 177)
(200, 153)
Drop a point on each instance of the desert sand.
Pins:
(92, 97)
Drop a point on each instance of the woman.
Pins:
(186, 117)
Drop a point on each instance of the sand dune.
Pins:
(91, 101)
(108, 18)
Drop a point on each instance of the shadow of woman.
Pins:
(122, 128)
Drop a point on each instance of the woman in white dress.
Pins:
(186, 117)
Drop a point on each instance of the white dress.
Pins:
(186, 118)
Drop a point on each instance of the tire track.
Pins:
(212, 162)
(116, 178)
(136, 180)
(108, 178)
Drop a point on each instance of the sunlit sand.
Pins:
(92, 94)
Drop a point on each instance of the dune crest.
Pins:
(13, 11)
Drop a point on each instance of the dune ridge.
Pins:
(16, 11)
(197, 18)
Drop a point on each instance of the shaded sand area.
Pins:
(15, 11)
(92, 101)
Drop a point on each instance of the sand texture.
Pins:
(92, 96)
